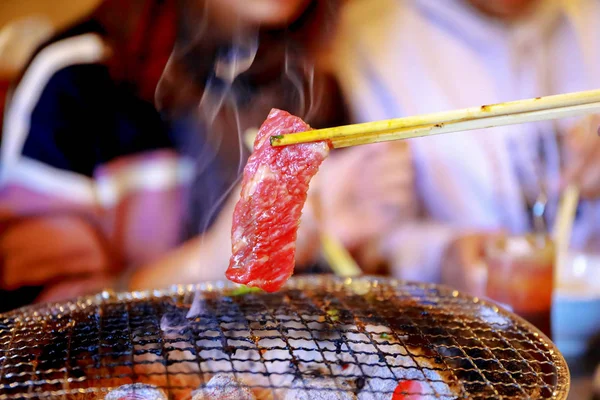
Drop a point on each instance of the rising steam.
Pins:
(227, 105)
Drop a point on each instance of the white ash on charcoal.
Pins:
(179, 350)
(224, 387)
(358, 365)
(386, 361)
(322, 388)
(282, 359)
(136, 391)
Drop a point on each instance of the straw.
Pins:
(564, 222)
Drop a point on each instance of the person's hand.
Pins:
(203, 258)
(463, 266)
(365, 191)
(206, 257)
(583, 158)
(65, 254)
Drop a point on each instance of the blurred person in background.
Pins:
(398, 58)
(80, 139)
(18, 41)
(100, 190)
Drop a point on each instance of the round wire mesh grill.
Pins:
(320, 338)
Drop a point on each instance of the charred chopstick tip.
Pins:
(276, 140)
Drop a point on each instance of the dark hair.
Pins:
(141, 34)
(194, 56)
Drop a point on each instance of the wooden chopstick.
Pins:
(486, 116)
(338, 258)
(491, 122)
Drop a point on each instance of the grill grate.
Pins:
(322, 336)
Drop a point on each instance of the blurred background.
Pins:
(126, 125)
(59, 14)
(26, 24)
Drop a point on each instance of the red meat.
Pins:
(267, 215)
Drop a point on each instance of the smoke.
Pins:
(222, 96)
(230, 63)
(301, 74)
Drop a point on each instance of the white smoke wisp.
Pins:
(197, 307)
(218, 93)
(297, 91)
(230, 64)
(297, 81)
(300, 72)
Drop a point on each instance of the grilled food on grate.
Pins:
(318, 337)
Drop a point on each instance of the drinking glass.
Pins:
(521, 275)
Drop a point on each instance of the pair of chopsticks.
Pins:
(485, 116)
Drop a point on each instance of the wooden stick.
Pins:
(483, 123)
(336, 255)
(335, 134)
(338, 258)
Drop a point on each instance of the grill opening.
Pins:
(320, 337)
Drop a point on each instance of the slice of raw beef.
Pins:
(267, 215)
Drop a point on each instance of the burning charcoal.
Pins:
(136, 391)
(360, 383)
(324, 388)
(223, 387)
